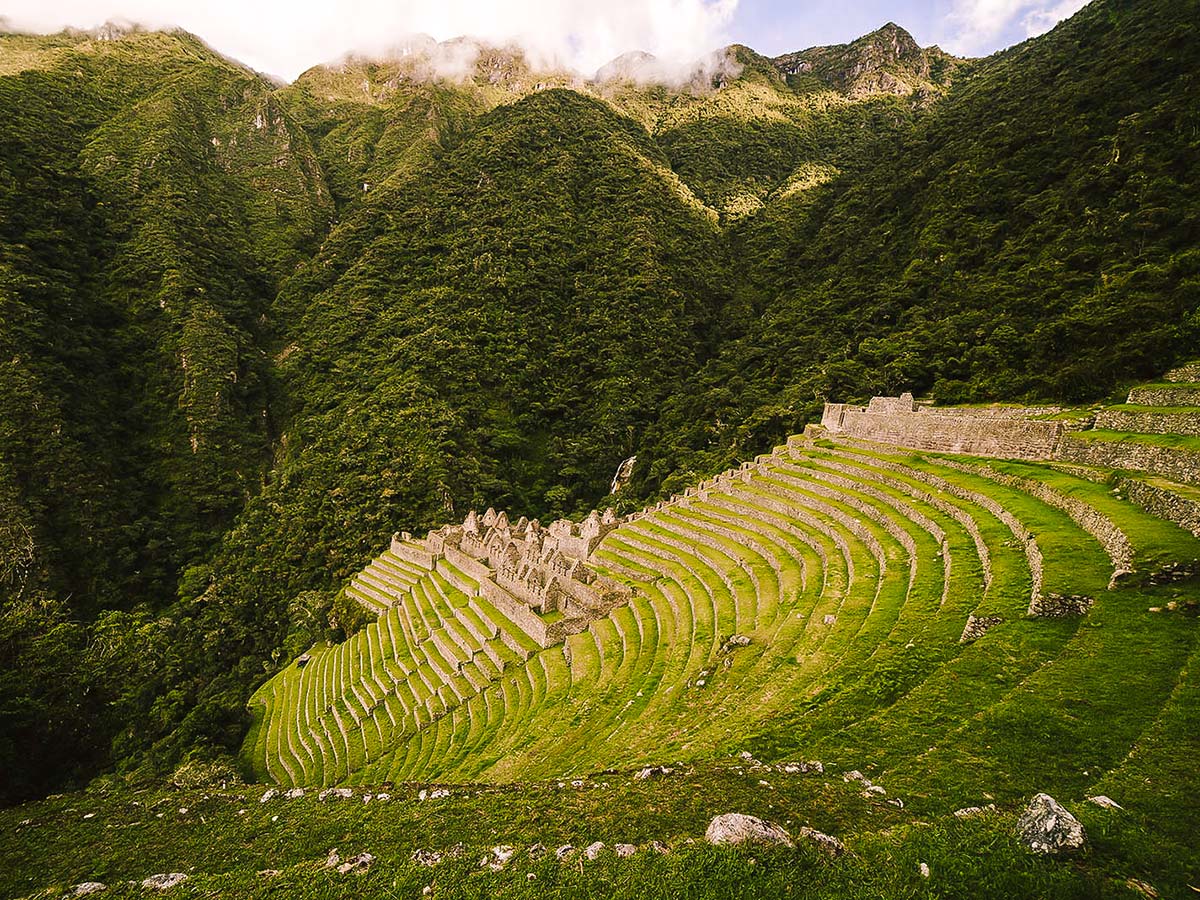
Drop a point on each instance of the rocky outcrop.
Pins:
(1046, 828)
(736, 828)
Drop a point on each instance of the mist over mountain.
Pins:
(248, 330)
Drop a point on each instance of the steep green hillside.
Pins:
(1032, 236)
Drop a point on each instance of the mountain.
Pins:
(887, 61)
(248, 330)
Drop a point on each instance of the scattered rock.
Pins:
(1105, 802)
(923, 870)
(658, 847)
(268, 795)
(830, 619)
(651, 772)
(335, 794)
(577, 783)
(736, 828)
(269, 873)
(813, 767)
(382, 798)
(593, 850)
(500, 856)
(563, 851)
(969, 812)
(537, 851)
(356, 864)
(738, 640)
(293, 794)
(531, 876)
(164, 882)
(88, 887)
(426, 857)
(826, 843)
(333, 859)
(625, 850)
(1047, 828)
(438, 793)
(978, 626)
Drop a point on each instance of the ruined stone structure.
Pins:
(536, 577)
(998, 431)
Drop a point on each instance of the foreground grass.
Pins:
(232, 845)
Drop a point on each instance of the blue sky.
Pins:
(284, 37)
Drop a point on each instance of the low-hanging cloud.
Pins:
(285, 37)
(978, 26)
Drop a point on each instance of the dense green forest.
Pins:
(247, 330)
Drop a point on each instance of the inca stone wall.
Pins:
(1189, 373)
(1170, 462)
(1004, 432)
(1180, 395)
(1148, 422)
(1183, 511)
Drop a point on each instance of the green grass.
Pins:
(223, 837)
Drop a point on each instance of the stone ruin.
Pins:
(998, 431)
(536, 576)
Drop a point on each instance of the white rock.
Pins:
(88, 887)
(923, 868)
(335, 794)
(736, 828)
(970, 812)
(268, 795)
(563, 851)
(593, 850)
(164, 882)
(625, 850)
(1046, 828)
(1105, 802)
(294, 793)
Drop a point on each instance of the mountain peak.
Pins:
(886, 61)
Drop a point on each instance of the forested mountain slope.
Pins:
(248, 330)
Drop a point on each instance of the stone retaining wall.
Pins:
(1188, 373)
(1006, 432)
(1170, 462)
(1183, 511)
(1114, 541)
(1181, 395)
(1148, 422)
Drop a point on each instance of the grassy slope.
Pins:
(225, 839)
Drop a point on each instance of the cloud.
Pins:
(284, 37)
(977, 26)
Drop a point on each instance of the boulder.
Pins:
(335, 794)
(294, 794)
(164, 882)
(88, 887)
(563, 851)
(625, 850)
(736, 828)
(1048, 829)
(593, 850)
(268, 795)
